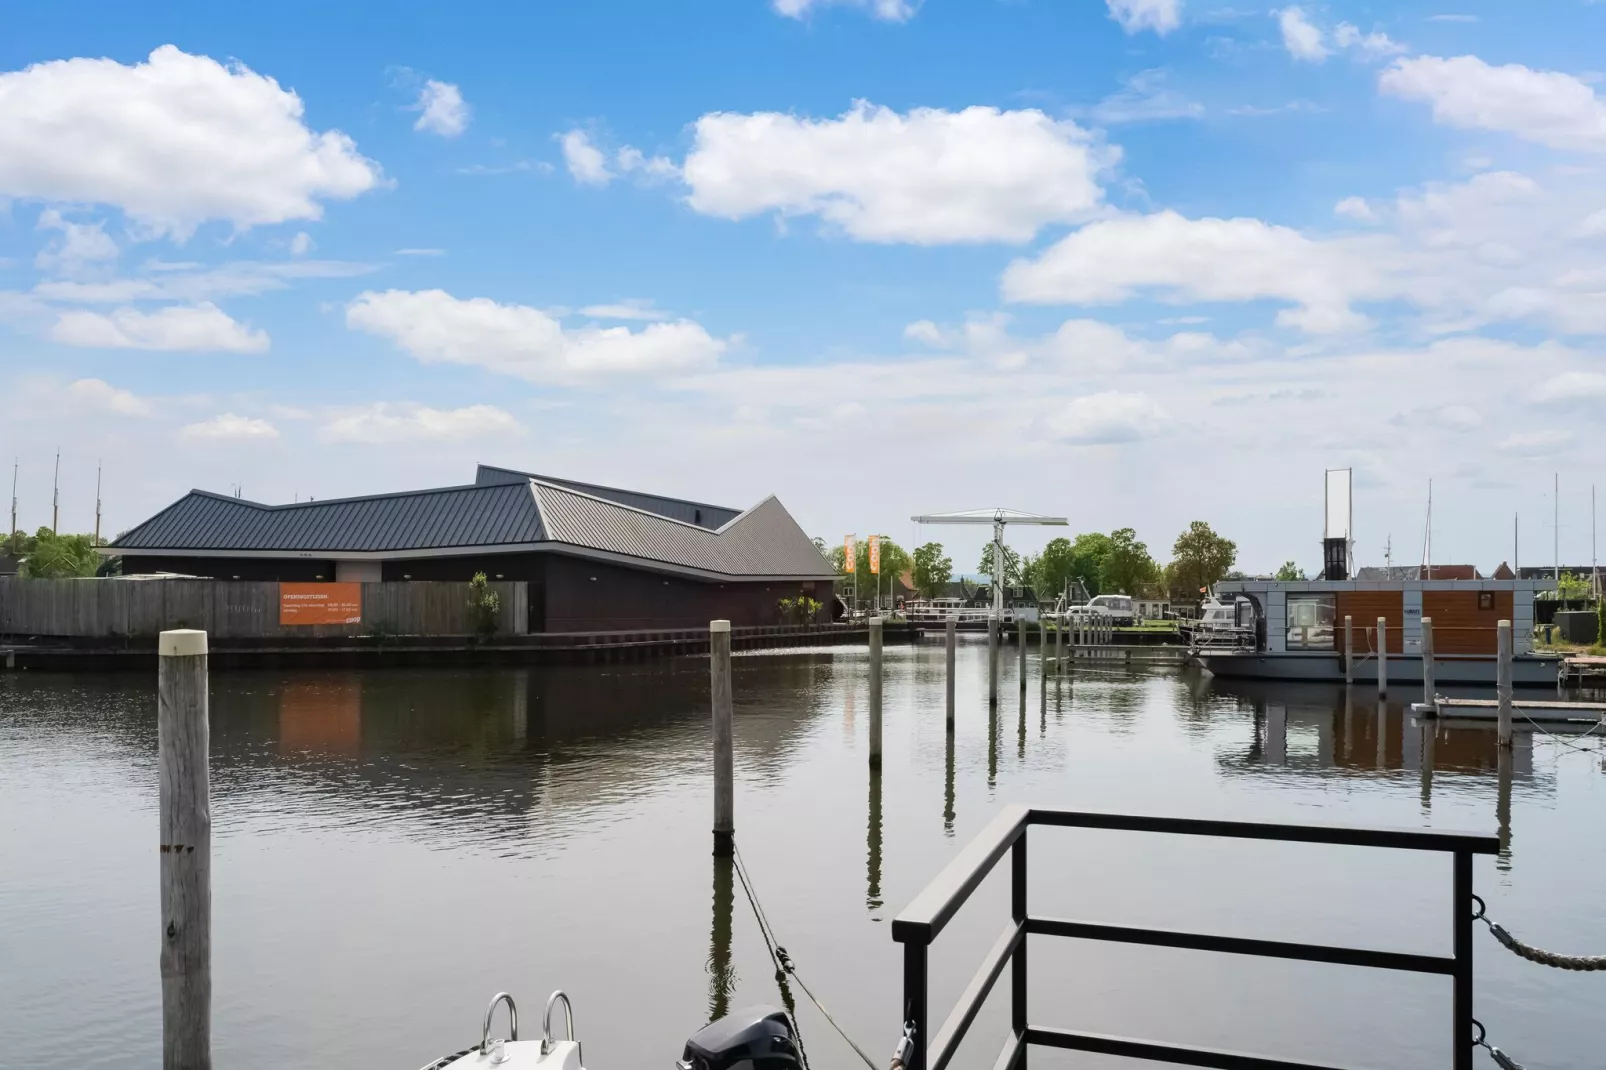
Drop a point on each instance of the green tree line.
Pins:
(46, 555)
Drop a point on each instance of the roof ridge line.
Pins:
(554, 480)
(739, 517)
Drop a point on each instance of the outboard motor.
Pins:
(757, 1038)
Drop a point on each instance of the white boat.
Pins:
(756, 1036)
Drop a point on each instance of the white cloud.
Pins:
(193, 283)
(1547, 107)
(227, 427)
(420, 252)
(1197, 260)
(925, 177)
(1107, 418)
(585, 161)
(80, 246)
(1594, 224)
(526, 342)
(192, 328)
(174, 141)
(650, 168)
(630, 308)
(1301, 37)
(442, 109)
(101, 395)
(301, 244)
(1537, 443)
(1355, 208)
(1374, 45)
(1145, 96)
(411, 422)
(885, 10)
(1583, 390)
(1161, 16)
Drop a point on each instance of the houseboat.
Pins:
(1295, 630)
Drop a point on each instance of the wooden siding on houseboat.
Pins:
(1459, 626)
(1366, 607)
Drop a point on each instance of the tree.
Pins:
(1290, 571)
(1199, 558)
(895, 561)
(55, 556)
(1128, 568)
(1012, 574)
(932, 570)
(17, 544)
(1055, 567)
(1088, 554)
(819, 544)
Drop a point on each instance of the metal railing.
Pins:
(924, 919)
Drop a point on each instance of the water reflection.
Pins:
(872, 844)
(948, 785)
(721, 974)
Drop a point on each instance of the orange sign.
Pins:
(848, 555)
(875, 554)
(320, 603)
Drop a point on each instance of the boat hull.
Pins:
(1526, 671)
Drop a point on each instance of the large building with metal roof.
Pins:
(596, 558)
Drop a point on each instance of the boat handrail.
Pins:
(547, 1043)
(512, 1019)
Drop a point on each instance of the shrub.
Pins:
(484, 606)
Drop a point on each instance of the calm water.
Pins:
(393, 847)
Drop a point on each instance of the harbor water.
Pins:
(390, 848)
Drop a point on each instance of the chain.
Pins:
(1535, 954)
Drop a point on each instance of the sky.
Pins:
(1131, 262)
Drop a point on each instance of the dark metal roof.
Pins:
(764, 541)
(702, 514)
(416, 520)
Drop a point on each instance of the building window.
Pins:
(1310, 621)
(1485, 599)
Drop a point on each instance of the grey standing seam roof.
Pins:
(702, 514)
(763, 541)
(418, 520)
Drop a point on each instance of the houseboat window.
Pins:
(1310, 621)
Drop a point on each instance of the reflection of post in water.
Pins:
(1382, 733)
(1349, 725)
(992, 746)
(948, 791)
(872, 842)
(1502, 805)
(1020, 742)
(1277, 735)
(1430, 736)
(721, 975)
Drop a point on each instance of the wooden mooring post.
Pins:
(1428, 687)
(719, 691)
(1502, 686)
(1382, 656)
(1059, 644)
(875, 692)
(185, 849)
(951, 637)
(1349, 650)
(993, 625)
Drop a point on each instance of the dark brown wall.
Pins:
(586, 596)
(1366, 607)
(267, 569)
(1459, 626)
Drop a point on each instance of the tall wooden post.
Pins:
(1382, 656)
(993, 625)
(1020, 637)
(1059, 643)
(951, 637)
(1502, 687)
(1349, 650)
(185, 850)
(719, 690)
(1428, 688)
(875, 692)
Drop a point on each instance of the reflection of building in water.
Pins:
(458, 747)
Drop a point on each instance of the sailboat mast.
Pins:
(97, 504)
(55, 496)
(1555, 528)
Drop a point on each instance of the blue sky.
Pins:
(1133, 261)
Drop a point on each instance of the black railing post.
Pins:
(914, 1002)
(1017, 965)
(1461, 900)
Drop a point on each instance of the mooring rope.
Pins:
(1535, 954)
(784, 967)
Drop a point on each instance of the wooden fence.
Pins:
(233, 609)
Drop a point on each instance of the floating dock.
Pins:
(1549, 711)
(1583, 670)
